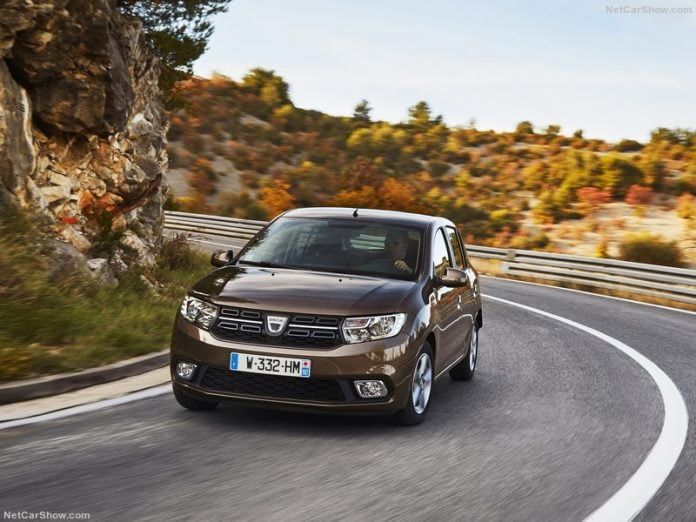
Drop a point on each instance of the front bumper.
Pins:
(336, 368)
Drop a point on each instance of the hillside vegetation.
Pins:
(244, 149)
(53, 320)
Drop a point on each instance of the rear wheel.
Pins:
(464, 371)
(193, 403)
(421, 387)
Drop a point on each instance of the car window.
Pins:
(441, 256)
(338, 245)
(456, 248)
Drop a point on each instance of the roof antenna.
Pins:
(355, 213)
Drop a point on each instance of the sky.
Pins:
(614, 75)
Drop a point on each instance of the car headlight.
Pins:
(361, 329)
(198, 312)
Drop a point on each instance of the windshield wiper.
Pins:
(264, 264)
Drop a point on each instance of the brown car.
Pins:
(331, 309)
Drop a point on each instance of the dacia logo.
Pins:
(275, 324)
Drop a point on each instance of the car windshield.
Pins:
(338, 245)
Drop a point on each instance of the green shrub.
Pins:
(176, 254)
(628, 146)
(644, 247)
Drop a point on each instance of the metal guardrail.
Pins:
(675, 284)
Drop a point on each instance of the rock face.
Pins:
(82, 132)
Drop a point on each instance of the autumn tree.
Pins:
(359, 174)
(523, 129)
(552, 131)
(268, 86)
(639, 195)
(686, 208)
(654, 171)
(591, 198)
(276, 199)
(546, 211)
(363, 197)
(397, 195)
(619, 174)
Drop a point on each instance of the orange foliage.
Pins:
(639, 195)
(392, 194)
(397, 195)
(276, 199)
(591, 197)
(365, 197)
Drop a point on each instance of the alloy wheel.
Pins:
(422, 383)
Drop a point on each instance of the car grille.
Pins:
(272, 385)
(238, 324)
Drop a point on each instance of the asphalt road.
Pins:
(554, 423)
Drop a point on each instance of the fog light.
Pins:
(185, 370)
(371, 389)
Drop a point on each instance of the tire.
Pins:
(464, 371)
(192, 403)
(423, 376)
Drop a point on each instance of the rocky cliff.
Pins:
(82, 133)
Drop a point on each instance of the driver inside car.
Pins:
(395, 245)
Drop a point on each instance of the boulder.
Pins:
(101, 270)
(82, 129)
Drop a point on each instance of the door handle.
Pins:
(459, 302)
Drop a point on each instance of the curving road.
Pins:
(555, 422)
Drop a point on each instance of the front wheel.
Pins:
(464, 371)
(421, 387)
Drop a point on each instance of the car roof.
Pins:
(380, 216)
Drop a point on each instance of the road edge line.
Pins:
(645, 482)
(146, 393)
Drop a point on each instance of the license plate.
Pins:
(247, 362)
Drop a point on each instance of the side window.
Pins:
(456, 248)
(441, 257)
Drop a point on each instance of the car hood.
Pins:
(298, 291)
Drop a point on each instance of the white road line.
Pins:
(93, 406)
(635, 494)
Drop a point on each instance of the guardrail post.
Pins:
(510, 255)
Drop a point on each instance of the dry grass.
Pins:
(51, 325)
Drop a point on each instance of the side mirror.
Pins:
(222, 257)
(454, 278)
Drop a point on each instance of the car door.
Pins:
(466, 298)
(444, 303)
